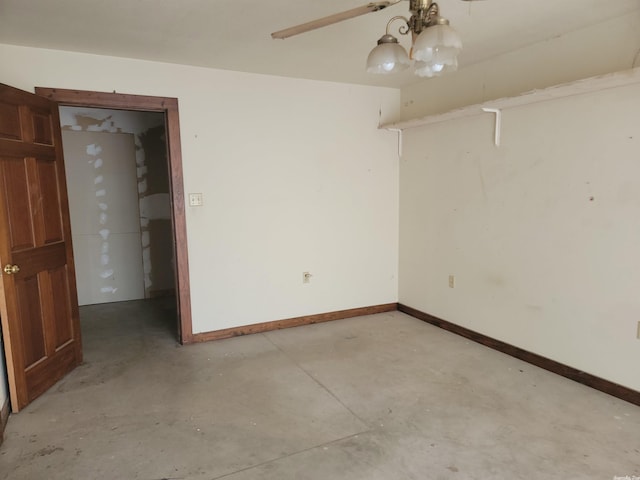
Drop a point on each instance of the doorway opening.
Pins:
(130, 229)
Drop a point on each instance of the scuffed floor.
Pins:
(378, 398)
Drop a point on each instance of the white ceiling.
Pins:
(235, 34)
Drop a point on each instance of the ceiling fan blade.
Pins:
(331, 19)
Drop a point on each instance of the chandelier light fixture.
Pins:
(435, 45)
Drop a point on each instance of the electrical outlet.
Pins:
(306, 277)
(452, 281)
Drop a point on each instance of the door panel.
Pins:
(38, 302)
(49, 202)
(31, 316)
(9, 122)
(63, 330)
(42, 128)
(16, 193)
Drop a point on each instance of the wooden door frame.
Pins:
(169, 107)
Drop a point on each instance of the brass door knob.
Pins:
(11, 269)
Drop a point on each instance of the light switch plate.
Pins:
(195, 199)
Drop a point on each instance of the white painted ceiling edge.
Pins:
(233, 35)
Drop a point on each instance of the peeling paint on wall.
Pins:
(153, 186)
(95, 150)
(104, 216)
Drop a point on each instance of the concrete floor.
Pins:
(382, 397)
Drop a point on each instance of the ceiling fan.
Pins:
(434, 46)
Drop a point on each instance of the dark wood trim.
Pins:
(118, 101)
(293, 322)
(168, 106)
(4, 418)
(614, 389)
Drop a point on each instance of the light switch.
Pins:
(195, 199)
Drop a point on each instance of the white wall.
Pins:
(541, 233)
(608, 46)
(295, 176)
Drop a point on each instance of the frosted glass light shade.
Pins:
(424, 69)
(387, 58)
(436, 51)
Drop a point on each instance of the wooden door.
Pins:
(38, 301)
